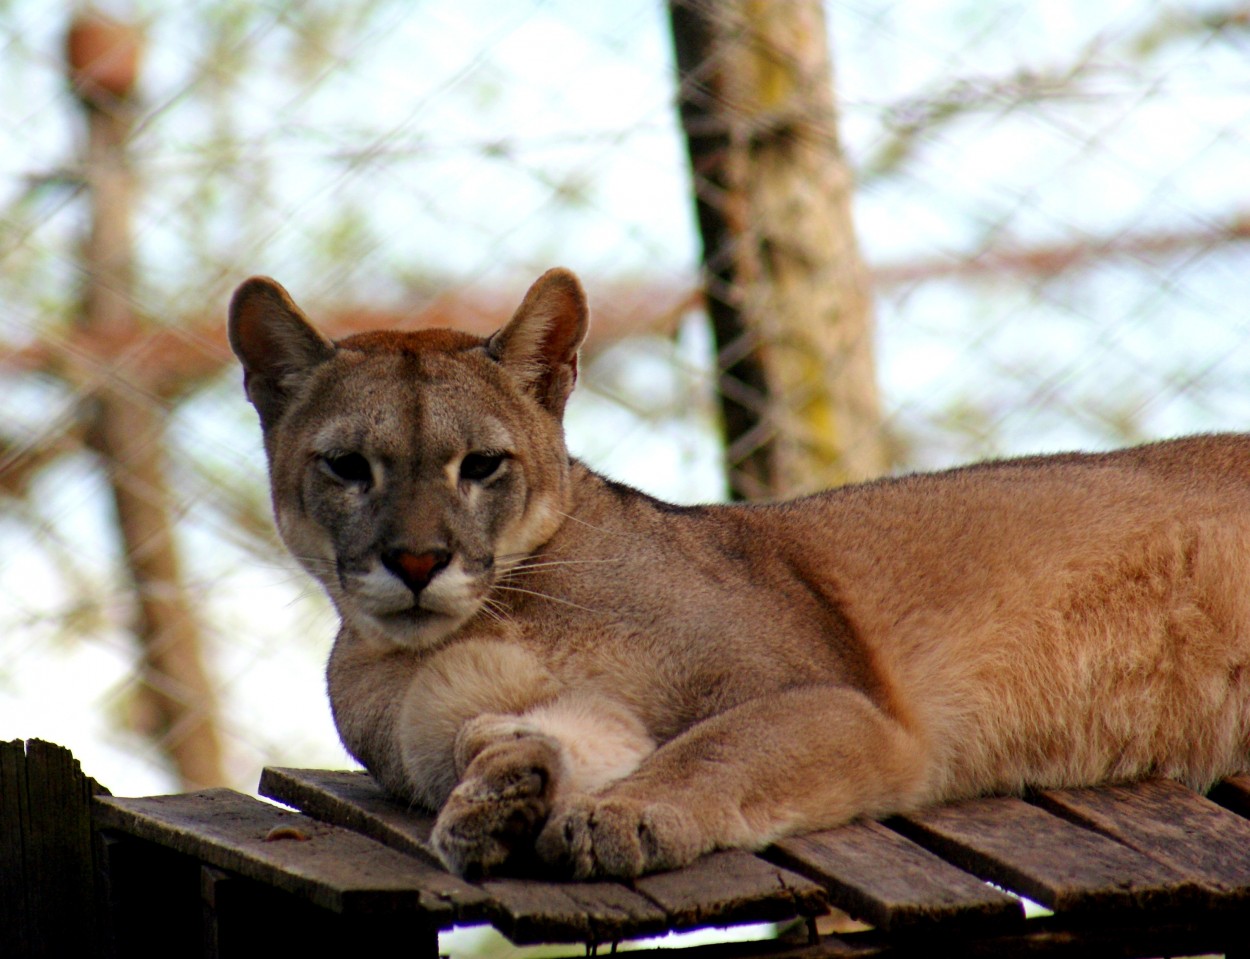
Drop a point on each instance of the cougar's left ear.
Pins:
(540, 343)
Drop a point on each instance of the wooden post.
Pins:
(128, 429)
(47, 875)
(787, 289)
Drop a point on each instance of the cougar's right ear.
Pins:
(275, 343)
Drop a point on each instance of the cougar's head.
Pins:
(409, 471)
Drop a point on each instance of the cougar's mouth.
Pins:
(418, 619)
(383, 605)
(414, 627)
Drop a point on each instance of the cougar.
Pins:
(581, 679)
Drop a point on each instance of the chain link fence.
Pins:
(1050, 201)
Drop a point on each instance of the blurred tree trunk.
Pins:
(128, 421)
(787, 291)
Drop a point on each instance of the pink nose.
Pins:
(415, 570)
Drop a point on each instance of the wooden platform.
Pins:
(1143, 870)
(1150, 869)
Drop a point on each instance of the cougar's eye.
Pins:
(349, 467)
(480, 466)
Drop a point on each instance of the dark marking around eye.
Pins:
(349, 467)
(481, 465)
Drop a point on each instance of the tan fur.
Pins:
(615, 685)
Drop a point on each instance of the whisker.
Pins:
(493, 605)
(599, 529)
(554, 599)
(548, 564)
(496, 611)
(529, 559)
(514, 559)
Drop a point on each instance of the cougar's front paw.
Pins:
(490, 820)
(588, 836)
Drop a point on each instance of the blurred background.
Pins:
(822, 242)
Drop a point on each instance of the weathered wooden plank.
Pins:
(883, 878)
(1168, 822)
(525, 911)
(726, 888)
(331, 867)
(1059, 864)
(533, 911)
(352, 800)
